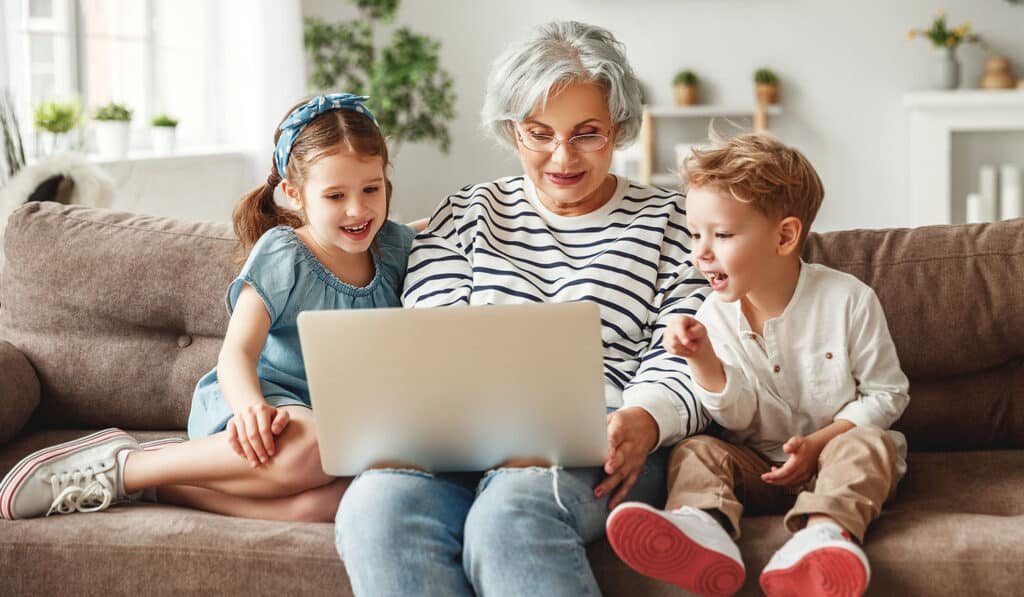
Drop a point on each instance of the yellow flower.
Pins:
(965, 28)
(950, 41)
(911, 34)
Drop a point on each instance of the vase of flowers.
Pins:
(945, 67)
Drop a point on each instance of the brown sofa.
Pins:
(108, 319)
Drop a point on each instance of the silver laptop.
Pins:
(456, 389)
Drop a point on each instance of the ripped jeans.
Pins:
(404, 532)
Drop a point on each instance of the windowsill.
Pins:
(179, 155)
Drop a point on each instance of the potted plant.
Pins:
(56, 119)
(163, 133)
(945, 71)
(766, 86)
(411, 95)
(113, 132)
(686, 85)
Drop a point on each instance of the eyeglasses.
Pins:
(545, 143)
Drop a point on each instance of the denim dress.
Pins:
(290, 279)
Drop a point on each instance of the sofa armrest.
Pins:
(19, 391)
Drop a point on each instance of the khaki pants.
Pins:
(856, 474)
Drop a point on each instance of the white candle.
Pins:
(973, 208)
(987, 190)
(1011, 201)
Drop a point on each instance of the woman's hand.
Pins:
(251, 432)
(632, 434)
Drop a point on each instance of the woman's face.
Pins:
(569, 182)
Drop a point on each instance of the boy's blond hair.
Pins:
(756, 168)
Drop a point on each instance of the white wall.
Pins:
(844, 67)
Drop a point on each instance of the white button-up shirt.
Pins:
(829, 356)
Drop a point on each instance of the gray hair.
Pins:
(559, 54)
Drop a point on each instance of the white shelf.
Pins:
(934, 117)
(648, 148)
(709, 111)
(965, 98)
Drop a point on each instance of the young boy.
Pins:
(795, 362)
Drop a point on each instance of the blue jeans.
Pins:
(403, 532)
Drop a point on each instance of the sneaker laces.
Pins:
(86, 490)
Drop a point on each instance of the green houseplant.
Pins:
(163, 134)
(56, 119)
(113, 133)
(686, 85)
(410, 94)
(766, 86)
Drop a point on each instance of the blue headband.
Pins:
(301, 116)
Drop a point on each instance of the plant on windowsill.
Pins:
(410, 94)
(56, 119)
(163, 134)
(113, 133)
(686, 86)
(766, 86)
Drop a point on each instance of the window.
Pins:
(155, 56)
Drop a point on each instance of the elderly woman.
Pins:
(566, 230)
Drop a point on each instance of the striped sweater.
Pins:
(495, 243)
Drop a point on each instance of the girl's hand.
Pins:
(251, 432)
(799, 468)
(685, 337)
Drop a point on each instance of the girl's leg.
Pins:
(314, 505)
(210, 463)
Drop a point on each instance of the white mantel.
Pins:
(934, 117)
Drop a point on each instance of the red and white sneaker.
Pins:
(817, 561)
(686, 547)
(83, 475)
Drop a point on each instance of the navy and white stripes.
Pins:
(495, 243)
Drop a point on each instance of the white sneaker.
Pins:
(817, 561)
(686, 547)
(83, 475)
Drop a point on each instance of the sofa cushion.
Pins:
(119, 314)
(954, 300)
(19, 391)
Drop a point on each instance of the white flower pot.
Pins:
(164, 139)
(113, 137)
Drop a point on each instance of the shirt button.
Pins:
(828, 355)
(776, 368)
(184, 341)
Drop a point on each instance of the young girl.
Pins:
(253, 449)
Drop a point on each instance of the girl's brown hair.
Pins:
(756, 168)
(327, 134)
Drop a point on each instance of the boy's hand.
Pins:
(251, 432)
(685, 337)
(801, 465)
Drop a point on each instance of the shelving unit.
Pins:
(759, 113)
(935, 116)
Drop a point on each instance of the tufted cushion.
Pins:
(119, 314)
(954, 300)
